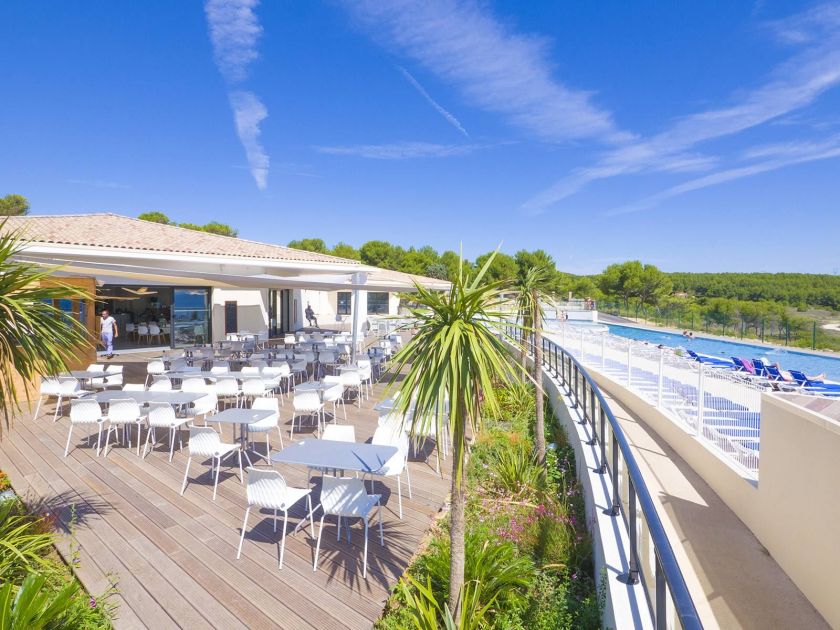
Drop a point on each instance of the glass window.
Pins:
(377, 303)
(343, 303)
(191, 317)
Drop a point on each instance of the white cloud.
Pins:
(497, 69)
(248, 113)
(780, 156)
(400, 150)
(234, 31)
(437, 107)
(791, 86)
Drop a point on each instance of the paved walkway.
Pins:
(735, 582)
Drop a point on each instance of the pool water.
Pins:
(809, 363)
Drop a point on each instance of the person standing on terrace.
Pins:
(108, 332)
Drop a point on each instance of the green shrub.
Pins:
(516, 470)
(501, 573)
(22, 545)
(425, 612)
(33, 605)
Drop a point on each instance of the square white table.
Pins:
(327, 454)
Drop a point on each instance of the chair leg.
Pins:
(149, 435)
(37, 408)
(318, 544)
(171, 442)
(241, 478)
(57, 409)
(364, 564)
(311, 518)
(99, 439)
(67, 447)
(408, 480)
(242, 537)
(283, 537)
(399, 494)
(186, 470)
(381, 534)
(216, 482)
(108, 439)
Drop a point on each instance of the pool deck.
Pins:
(173, 557)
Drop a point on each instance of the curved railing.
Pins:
(652, 563)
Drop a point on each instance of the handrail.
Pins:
(667, 568)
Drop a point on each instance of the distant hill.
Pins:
(791, 288)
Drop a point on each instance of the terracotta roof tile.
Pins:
(113, 230)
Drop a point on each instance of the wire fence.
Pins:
(721, 407)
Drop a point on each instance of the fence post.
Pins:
(603, 349)
(616, 506)
(629, 364)
(701, 398)
(661, 377)
(633, 565)
(603, 467)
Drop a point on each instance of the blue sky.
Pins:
(696, 136)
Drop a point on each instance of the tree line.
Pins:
(214, 227)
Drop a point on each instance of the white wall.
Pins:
(252, 310)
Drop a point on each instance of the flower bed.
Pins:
(528, 554)
(37, 589)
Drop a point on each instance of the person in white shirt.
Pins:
(108, 332)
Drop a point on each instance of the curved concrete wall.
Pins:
(794, 508)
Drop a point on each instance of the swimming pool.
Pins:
(809, 363)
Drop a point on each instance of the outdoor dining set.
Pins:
(201, 390)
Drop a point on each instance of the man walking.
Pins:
(310, 315)
(108, 332)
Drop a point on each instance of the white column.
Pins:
(359, 307)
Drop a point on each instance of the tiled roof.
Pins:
(116, 231)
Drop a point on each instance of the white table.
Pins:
(329, 454)
(241, 417)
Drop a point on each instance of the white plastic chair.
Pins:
(289, 341)
(252, 369)
(334, 395)
(162, 416)
(254, 388)
(96, 383)
(352, 380)
(219, 367)
(227, 390)
(268, 403)
(394, 467)
(85, 411)
(154, 331)
(113, 377)
(299, 368)
(143, 331)
(68, 389)
(205, 442)
(339, 433)
(124, 413)
(306, 403)
(193, 384)
(205, 406)
(273, 377)
(134, 387)
(49, 386)
(161, 384)
(266, 489)
(347, 498)
(366, 376)
(154, 368)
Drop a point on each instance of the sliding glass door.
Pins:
(190, 317)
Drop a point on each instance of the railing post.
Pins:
(594, 439)
(603, 349)
(554, 347)
(583, 387)
(633, 565)
(616, 506)
(576, 401)
(661, 603)
(701, 398)
(629, 364)
(661, 377)
(563, 367)
(603, 467)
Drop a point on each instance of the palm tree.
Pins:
(454, 359)
(35, 337)
(532, 288)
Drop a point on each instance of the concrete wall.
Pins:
(252, 310)
(794, 508)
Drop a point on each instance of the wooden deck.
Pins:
(173, 557)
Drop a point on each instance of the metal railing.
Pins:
(721, 407)
(652, 563)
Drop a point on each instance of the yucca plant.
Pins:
(34, 606)
(453, 360)
(427, 613)
(35, 337)
(516, 468)
(533, 287)
(22, 546)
